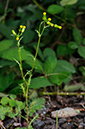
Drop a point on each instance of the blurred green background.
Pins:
(61, 56)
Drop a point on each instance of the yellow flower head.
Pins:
(44, 13)
(17, 38)
(55, 25)
(49, 19)
(48, 22)
(14, 33)
(24, 26)
(21, 26)
(60, 27)
(52, 25)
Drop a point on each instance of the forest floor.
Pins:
(53, 103)
(46, 121)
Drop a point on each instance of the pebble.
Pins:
(64, 113)
(38, 124)
(62, 121)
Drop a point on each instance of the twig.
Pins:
(62, 93)
(7, 3)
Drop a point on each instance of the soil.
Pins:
(59, 102)
(53, 103)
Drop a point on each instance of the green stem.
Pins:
(62, 93)
(30, 76)
(21, 69)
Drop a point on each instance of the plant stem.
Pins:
(62, 93)
(21, 69)
(30, 76)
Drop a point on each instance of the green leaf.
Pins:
(48, 52)
(5, 44)
(5, 31)
(77, 36)
(39, 82)
(58, 78)
(55, 9)
(21, 128)
(81, 51)
(2, 112)
(83, 41)
(73, 45)
(72, 88)
(68, 79)
(12, 54)
(38, 64)
(68, 2)
(65, 66)
(36, 104)
(36, 13)
(13, 96)
(4, 100)
(62, 50)
(50, 64)
(15, 90)
(20, 105)
(4, 63)
(28, 36)
(11, 103)
(6, 81)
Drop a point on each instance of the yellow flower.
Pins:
(60, 27)
(21, 26)
(52, 25)
(55, 25)
(48, 22)
(24, 26)
(14, 33)
(17, 38)
(49, 19)
(44, 13)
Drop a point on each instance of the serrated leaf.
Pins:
(68, 2)
(11, 103)
(4, 100)
(81, 51)
(20, 104)
(77, 36)
(5, 44)
(55, 9)
(36, 104)
(73, 45)
(39, 82)
(50, 64)
(13, 96)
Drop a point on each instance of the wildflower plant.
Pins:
(26, 83)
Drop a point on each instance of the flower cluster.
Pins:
(21, 31)
(50, 23)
